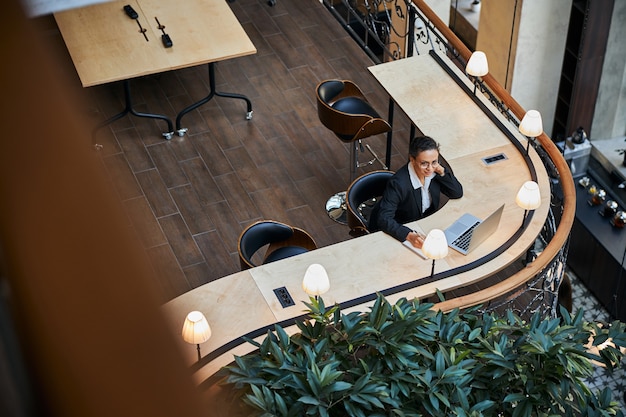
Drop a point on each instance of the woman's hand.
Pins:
(416, 239)
(440, 170)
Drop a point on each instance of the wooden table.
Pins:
(106, 45)
(244, 303)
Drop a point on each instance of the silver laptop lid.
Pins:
(481, 232)
(460, 226)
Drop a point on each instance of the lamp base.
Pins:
(523, 226)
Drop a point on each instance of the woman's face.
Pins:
(425, 162)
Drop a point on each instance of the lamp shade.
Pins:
(477, 64)
(435, 245)
(315, 281)
(531, 124)
(196, 329)
(529, 197)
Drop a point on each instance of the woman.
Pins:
(414, 192)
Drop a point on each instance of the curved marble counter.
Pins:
(244, 303)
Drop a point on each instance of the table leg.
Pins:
(181, 131)
(389, 135)
(129, 109)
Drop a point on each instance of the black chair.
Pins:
(362, 194)
(282, 241)
(342, 108)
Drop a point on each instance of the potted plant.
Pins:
(408, 360)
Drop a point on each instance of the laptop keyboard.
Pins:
(463, 241)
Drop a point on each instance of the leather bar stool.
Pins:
(362, 195)
(282, 241)
(342, 108)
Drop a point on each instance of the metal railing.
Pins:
(393, 29)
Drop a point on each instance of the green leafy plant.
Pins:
(408, 360)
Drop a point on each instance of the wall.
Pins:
(464, 20)
(540, 44)
(609, 119)
(527, 59)
(441, 8)
(497, 37)
(524, 42)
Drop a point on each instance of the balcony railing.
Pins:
(393, 29)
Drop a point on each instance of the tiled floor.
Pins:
(593, 311)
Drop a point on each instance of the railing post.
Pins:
(411, 32)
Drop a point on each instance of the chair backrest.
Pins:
(443, 199)
(343, 109)
(329, 90)
(281, 239)
(366, 187)
(259, 234)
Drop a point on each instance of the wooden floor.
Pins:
(189, 198)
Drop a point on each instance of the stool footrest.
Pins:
(371, 161)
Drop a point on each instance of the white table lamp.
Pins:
(435, 247)
(477, 66)
(531, 126)
(528, 197)
(196, 329)
(315, 281)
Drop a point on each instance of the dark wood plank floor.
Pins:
(189, 198)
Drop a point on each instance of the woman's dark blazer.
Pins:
(403, 204)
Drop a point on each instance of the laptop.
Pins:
(466, 233)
